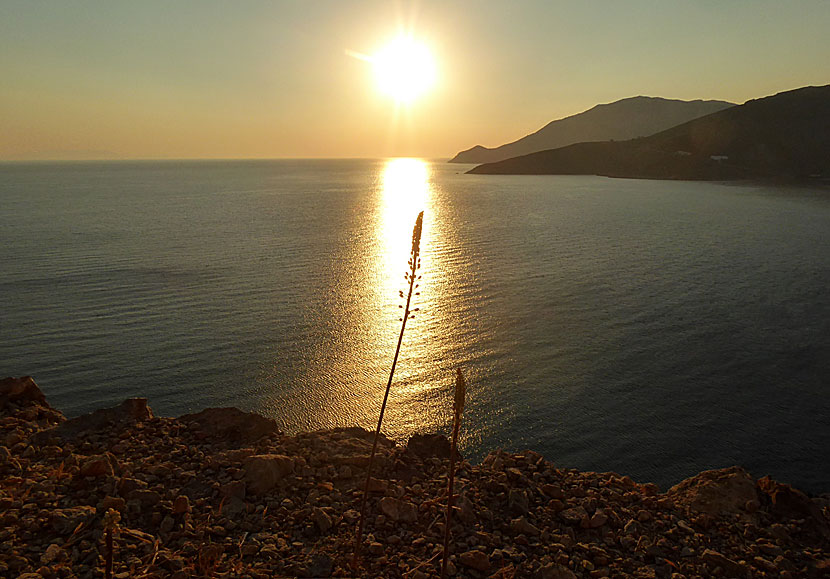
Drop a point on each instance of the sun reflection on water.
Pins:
(405, 192)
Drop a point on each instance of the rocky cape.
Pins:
(625, 119)
(224, 493)
(784, 136)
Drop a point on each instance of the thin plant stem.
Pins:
(458, 408)
(414, 263)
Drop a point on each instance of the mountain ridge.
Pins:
(786, 135)
(624, 119)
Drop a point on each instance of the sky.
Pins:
(274, 79)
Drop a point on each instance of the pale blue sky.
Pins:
(271, 79)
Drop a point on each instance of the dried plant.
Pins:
(411, 277)
(111, 519)
(458, 408)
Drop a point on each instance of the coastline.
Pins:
(224, 493)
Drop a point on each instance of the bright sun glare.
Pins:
(404, 69)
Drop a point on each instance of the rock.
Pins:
(574, 516)
(264, 471)
(553, 491)
(147, 498)
(65, 521)
(399, 511)
(466, 510)
(231, 425)
(52, 553)
(114, 419)
(116, 503)
(597, 520)
(477, 560)
(732, 568)
(320, 565)
(321, 519)
(21, 389)
(521, 526)
(553, 571)
(181, 505)
(716, 492)
(517, 502)
(429, 445)
(789, 502)
(96, 466)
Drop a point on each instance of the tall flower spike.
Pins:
(458, 408)
(414, 263)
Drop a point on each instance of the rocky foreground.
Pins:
(223, 493)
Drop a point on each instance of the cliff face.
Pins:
(224, 492)
(783, 136)
(621, 120)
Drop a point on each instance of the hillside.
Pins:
(224, 493)
(782, 136)
(621, 120)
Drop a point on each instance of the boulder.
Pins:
(477, 560)
(230, 425)
(429, 445)
(116, 418)
(264, 471)
(716, 492)
(21, 389)
(398, 510)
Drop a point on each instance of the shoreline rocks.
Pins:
(223, 493)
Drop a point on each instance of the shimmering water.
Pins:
(651, 328)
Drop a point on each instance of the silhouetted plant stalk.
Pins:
(458, 408)
(111, 519)
(411, 277)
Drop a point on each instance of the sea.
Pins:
(651, 328)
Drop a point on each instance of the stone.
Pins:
(320, 565)
(732, 568)
(598, 519)
(716, 492)
(398, 511)
(521, 526)
(20, 389)
(52, 553)
(466, 510)
(181, 505)
(96, 466)
(65, 521)
(321, 519)
(475, 559)
(231, 425)
(574, 516)
(113, 419)
(264, 471)
(517, 502)
(146, 498)
(553, 571)
(116, 503)
(429, 445)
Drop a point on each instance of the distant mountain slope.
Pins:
(622, 120)
(782, 136)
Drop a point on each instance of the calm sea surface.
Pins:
(650, 328)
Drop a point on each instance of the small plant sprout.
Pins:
(458, 408)
(411, 278)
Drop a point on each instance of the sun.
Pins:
(404, 69)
